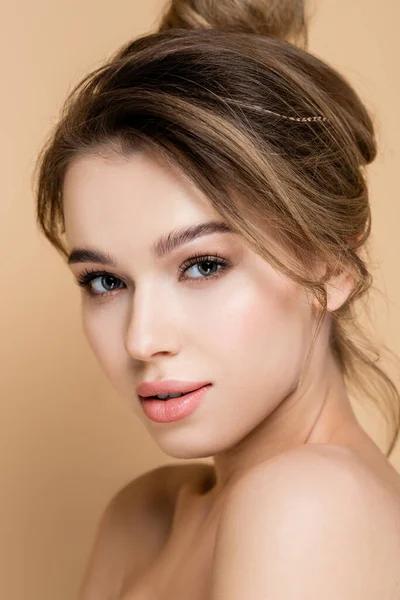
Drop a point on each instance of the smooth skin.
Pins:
(315, 524)
(247, 331)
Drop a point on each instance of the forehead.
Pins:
(143, 194)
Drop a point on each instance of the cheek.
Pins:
(264, 326)
(97, 334)
(104, 338)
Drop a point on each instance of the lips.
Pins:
(175, 409)
(168, 386)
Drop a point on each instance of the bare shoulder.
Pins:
(313, 519)
(319, 466)
(131, 529)
(117, 534)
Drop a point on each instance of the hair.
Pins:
(277, 140)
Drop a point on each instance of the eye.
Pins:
(106, 279)
(204, 263)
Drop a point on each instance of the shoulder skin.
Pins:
(309, 524)
(129, 532)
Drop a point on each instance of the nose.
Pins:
(152, 326)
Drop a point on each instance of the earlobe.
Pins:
(338, 289)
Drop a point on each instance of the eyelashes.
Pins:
(89, 275)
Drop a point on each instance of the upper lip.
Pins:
(168, 386)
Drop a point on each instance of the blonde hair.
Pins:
(277, 139)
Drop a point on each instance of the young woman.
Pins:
(207, 188)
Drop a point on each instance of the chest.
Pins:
(183, 567)
(175, 577)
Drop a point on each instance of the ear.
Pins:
(338, 287)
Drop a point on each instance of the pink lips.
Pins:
(168, 386)
(174, 409)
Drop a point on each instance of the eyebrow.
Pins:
(160, 248)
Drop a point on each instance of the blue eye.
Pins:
(204, 261)
(108, 280)
(88, 276)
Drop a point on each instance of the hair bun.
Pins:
(284, 19)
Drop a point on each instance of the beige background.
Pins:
(66, 441)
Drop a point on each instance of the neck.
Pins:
(319, 412)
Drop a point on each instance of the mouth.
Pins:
(165, 410)
(168, 388)
(172, 396)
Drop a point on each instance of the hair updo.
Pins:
(284, 19)
(277, 139)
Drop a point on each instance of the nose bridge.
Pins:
(151, 327)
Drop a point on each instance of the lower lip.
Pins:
(165, 411)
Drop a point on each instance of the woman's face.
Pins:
(241, 326)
